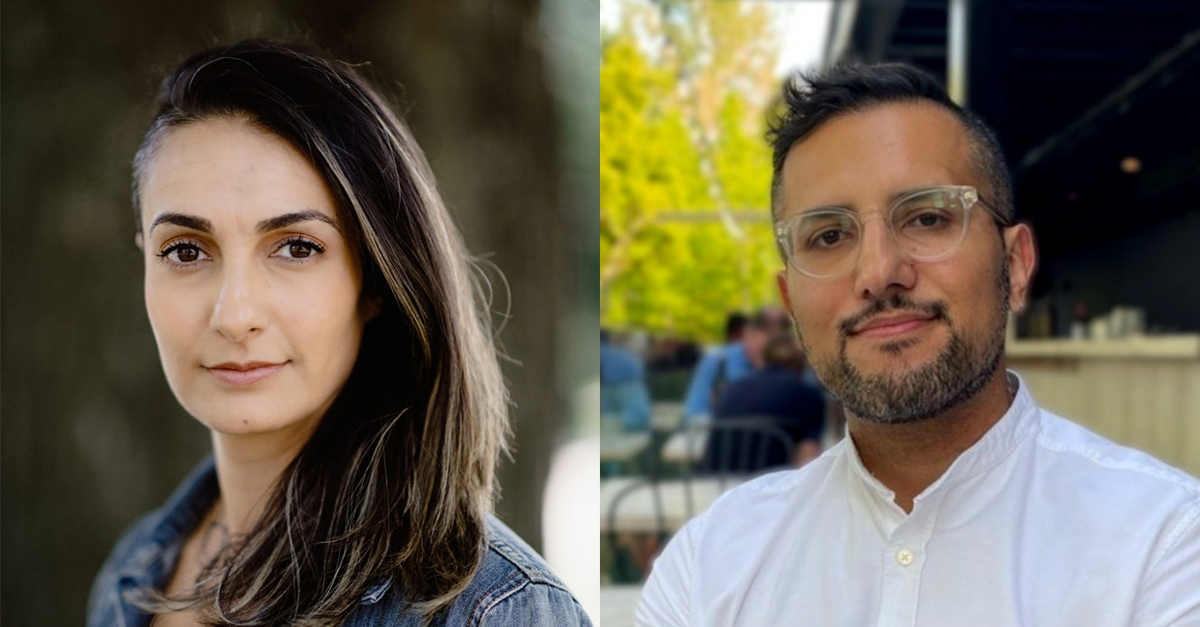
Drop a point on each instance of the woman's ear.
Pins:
(372, 306)
(141, 244)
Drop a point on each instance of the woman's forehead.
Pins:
(228, 167)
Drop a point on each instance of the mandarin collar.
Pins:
(998, 442)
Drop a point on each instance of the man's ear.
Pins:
(781, 279)
(1021, 252)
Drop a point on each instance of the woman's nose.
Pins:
(238, 313)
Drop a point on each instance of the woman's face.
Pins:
(251, 286)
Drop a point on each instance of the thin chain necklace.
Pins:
(214, 530)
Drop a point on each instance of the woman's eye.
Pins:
(187, 253)
(183, 254)
(299, 249)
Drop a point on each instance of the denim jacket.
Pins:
(513, 586)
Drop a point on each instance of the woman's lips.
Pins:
(249, 376)
(897, 328)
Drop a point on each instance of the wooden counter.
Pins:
(1143, 392)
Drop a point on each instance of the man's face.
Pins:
(899, 340)
(759, 333)
(754, 341)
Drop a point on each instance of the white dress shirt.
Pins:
(1039, 523)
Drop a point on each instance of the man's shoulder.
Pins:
(773, 497)
(1081, 455)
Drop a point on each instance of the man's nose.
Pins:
(238, 313)
(882, 264)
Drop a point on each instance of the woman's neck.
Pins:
(248, 466)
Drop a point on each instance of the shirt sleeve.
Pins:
(666, 598)
(638, 410)
(699, 394)
(1170, 595)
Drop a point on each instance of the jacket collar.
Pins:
(154, 560)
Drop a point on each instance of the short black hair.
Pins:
(769, 319)
(811, 99)
(735, 324)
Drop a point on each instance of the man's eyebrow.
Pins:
(186, 221)
(288, 219)
(850, 206)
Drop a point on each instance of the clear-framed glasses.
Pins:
(927, 225)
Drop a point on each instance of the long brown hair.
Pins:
(398, 478)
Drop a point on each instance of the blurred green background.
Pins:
(501, 96)
(686, 91)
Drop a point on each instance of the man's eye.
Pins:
(929, 219)
(827, 238)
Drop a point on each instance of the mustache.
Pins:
(935, 310)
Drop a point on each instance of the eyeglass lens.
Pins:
(926, 225)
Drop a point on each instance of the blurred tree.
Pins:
(684, 172)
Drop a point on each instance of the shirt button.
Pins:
(904, 557)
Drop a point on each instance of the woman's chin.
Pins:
(233, 422)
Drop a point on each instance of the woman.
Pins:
(315, 308)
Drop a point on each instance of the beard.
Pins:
(956, 374)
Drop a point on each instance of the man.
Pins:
(777, 396)
(740, 356)
(955, 501)
(623, 394)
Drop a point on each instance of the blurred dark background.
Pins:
(1095, 104)
(501, 96)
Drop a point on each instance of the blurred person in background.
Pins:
(717, 367)
(315, 309)
(956, 500)
(623, 394)
(741, 355)
(778, 396)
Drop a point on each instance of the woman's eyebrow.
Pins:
(266, 226)
(186, 221)
(288, 219)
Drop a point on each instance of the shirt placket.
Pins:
(903, 558)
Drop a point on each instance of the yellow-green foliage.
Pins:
(670, 101)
